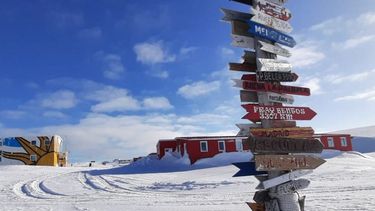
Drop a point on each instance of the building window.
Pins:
(204, 146)
(1, 142)
(221, 146)
(343, 142)
(33, 158)
(33, 142)
(331, 144)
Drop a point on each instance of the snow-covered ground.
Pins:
(345, 182)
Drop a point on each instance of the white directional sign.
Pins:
(275, 65)
(279, 2)
(282, 179)
(280, 98)
(242, 41)
(276, 49)
(245, 128)
(270, 21)
(292, 186)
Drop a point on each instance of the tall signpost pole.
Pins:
(274, 137)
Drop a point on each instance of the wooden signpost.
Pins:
(258, 112)
(283, 145)
(271, 87)
(271, 21)
(276, 49)
(286, 162)
(274, 10)
(282, 179)
(275, 65)
(242, 41)
(265, 32)
(245, 67)
(276, 76)
(293, 132)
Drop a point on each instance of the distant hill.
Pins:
(360, 132)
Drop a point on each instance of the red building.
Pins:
(206, 147)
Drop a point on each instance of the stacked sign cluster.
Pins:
(274, 138)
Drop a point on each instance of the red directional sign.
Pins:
(276, 76)
(249, 77)
(269, 87)
(260, 112)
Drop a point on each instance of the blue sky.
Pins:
(113, 77)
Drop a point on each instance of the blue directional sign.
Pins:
(247, 169)
(271, 34)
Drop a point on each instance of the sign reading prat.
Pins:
(260, 112)
(280, 98)
(273, 10)
(270, 34)
(276, 49)
(284, 145)
(276, 76)
(269, 87)
(271, 21)
(293, 132)
(242, 41)
(286, 162)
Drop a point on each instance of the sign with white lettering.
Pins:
(291, 132)
(269, 76)
(271, 21)
(280, 98)
(276, 49)
(292, 186)
(286, 162)
(271, 87)
(273, 10)
(282, 179)
(260, 112)
(270, 34)
(274, 65)
(242, 41)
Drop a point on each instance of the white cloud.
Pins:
(91, 33)
(153, 53)
(368, 95)
(62, 99)
(12, 114)
(354, 42)
(329, 26)
(338, 79)
(226, 52)
(366, 19)
(112, 65)
(54, 114)
(187, 50)
(305, 55)
(159, 74)
(104, 93)
(199, 88)
(157, 103)
(120, 104)
(67, 19)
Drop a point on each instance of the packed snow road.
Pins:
(343, 183)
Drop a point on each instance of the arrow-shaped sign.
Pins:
(247, 169)
(269, 87)
(279, 2)
(245, 128)
(231, 15)
(249, 77)
(242, 41)
(282, 179)
(280, 98)
(283, 145)
(293, 132)
(274, 65)
(286, 162)
(276, 76)
(276, 49)
(245, 67)
(283, 124)
(292, 186)
(260, 112)
(273, 10)
(271, 21)
(270, 34)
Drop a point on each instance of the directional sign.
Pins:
(279, 2)
(231, 15)
(245, 128)
(271, 21)
(292, 186)
(240, 28)
(283, 124)
(248, 96)
(274, 65)
(273, 10)
(286, 162)
(250, 57)
(283, 145)
(293, 132)
(270, 34)
(247, 169)
(249, 77)
(245, 67)
(276, 49)
(282, 179)
(269, 87)
(276, 76)
(255, 206)
(242, 41)
(280, 98)
(259, 112)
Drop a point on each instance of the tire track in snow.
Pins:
(35, 188)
